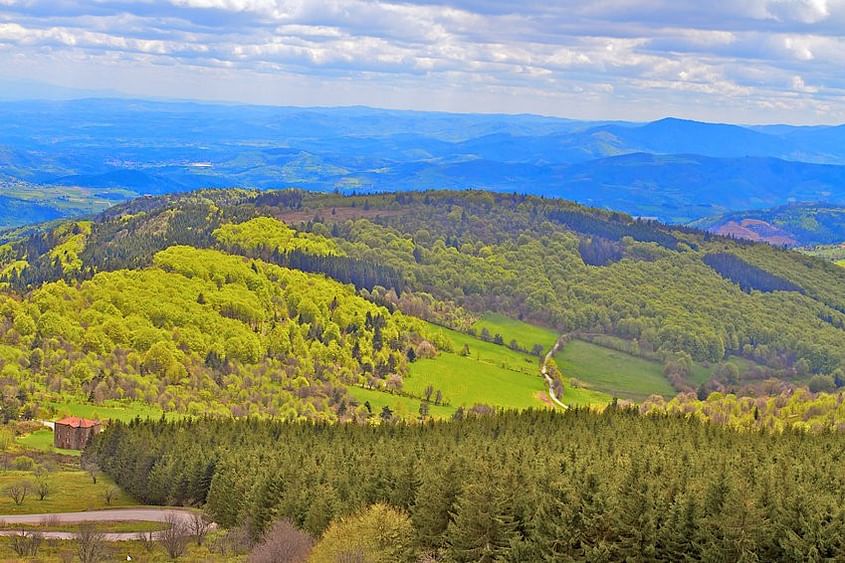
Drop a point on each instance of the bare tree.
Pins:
(92, 469)
(50, 521)
(175, 536)
(235, 540)
(90, 543)
(17, 491)
(27, 543)
(147, 540)
(198, 525)
(283, 543)
(110, 494)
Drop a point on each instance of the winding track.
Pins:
(146, 514)
(544, 370)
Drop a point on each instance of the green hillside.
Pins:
(238, 302)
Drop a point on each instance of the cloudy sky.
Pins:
(719, 60)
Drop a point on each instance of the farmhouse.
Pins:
(73, 433)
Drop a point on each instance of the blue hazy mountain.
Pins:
(677, 170)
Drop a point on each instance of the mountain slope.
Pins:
(673, 294)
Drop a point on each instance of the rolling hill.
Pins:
(195, 302)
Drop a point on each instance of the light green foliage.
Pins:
(380, 534)
(611, 371)
(203, 332)
(273, 235)
(72, 237)
(798, 409)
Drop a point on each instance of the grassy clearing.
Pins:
(42, 441)
(404, 407)
(115, 410)
(526, 335)
(71, 491)
(582, 397)
(465, 381)
(490, 354)
(616, 373)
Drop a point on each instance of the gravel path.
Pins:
(146, 514)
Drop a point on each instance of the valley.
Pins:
(399, 320)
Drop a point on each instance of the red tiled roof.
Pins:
(77, 422)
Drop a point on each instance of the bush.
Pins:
(379, 534)
(283, 543)
(23, 463)
(822, 383)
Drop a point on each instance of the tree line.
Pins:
(530, 486)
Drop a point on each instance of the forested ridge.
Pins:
(670, 293)
(530, 486)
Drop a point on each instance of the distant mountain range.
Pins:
(672, 169)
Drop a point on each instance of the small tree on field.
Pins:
(429, 391)
(110, 494)
(199, 525)
(42, 488)
(26, 544)
(92, 469)
(18, 491)
(90, 543)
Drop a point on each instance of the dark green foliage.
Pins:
(747, 276)
(531, 486)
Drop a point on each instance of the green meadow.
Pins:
(109, 410)
(465, 381)
(403, 407)
(526, 335)
(613, 372)
(42, 441)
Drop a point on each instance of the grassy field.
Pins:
(42, 441)
(466, 381)
(526, 335)
(489, 353)
(612, 372)
(71, 491)
(404, 407)
(124, 411)
(59, 551)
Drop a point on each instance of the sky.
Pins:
(743, 61)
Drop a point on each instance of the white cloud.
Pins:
(720, 57)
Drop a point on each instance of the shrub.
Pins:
(23, 463)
